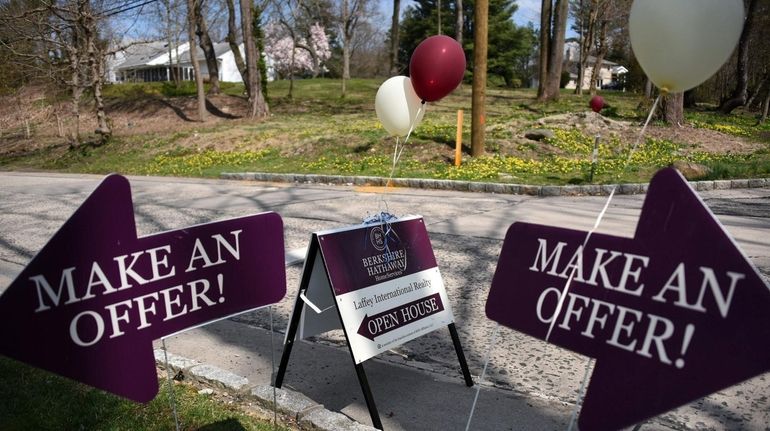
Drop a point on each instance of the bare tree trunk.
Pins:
(256, 98)
(740, 94)
(394, 37)
(690, 101)
(545, 38)
(170, 42)
(208, 48)
(600, 53)
(587, 41)
(766, 108)
(648, 89)
(177, 69)
(291, 70)
(556, 49)
(757, 91)
(194, 59)
(259, 44)
(460, 22)
(77, 93)
(346, 38)
(345, 67)
(59, 125)
(582, 41)
(103, 125)
(232, 40)
(96, 67)
(673, 108)
(75, 55)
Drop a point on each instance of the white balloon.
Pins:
(681, 43)
(398, 105)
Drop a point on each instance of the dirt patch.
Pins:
(161, 114)
(29, 121)
(706, 140)
(695, 139)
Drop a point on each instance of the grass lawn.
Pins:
(33, 399)
(318, 131)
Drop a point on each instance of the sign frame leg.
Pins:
(360, 373)
(370, 404)
(291, 332)
(460, 355)
(291, 335)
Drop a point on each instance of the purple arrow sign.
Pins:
(671, 315)
(89, 305)
(404, 314)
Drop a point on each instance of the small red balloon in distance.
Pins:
(437, 67)
(597, 103)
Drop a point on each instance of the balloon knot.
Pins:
(423, 101)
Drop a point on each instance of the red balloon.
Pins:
(437, 67)
(596, 103)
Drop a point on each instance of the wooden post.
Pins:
(459, 139)
(478, 98)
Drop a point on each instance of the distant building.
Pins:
(610, 74)
(149, 62)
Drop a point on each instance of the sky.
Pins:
(529, 10)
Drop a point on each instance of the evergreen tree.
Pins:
(510, 46)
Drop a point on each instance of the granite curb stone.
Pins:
(308, 413)
(219, 377)
(175, 362)
(321, 419)
(289, 402)
(501, 188)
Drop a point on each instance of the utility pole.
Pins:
(481, 15)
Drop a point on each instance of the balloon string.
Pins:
(490, 348)
(641, 134)
(581, 391)
(598, 221)
(601, 214)
(397, 151)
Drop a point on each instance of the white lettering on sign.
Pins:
(677, 284)
(645, 334)
(627, 327)
(137, 313)
(627, 282)
(199, 251)
(134, 313)
(157, 259)
(381, 323)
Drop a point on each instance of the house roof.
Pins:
(153, 54)
(592, 60)
(220, 48)
(142, 53)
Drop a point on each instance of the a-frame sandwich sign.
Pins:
(380, 284)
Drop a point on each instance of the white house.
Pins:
(149, 62)
(609, 72)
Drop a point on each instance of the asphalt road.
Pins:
(466, 231)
